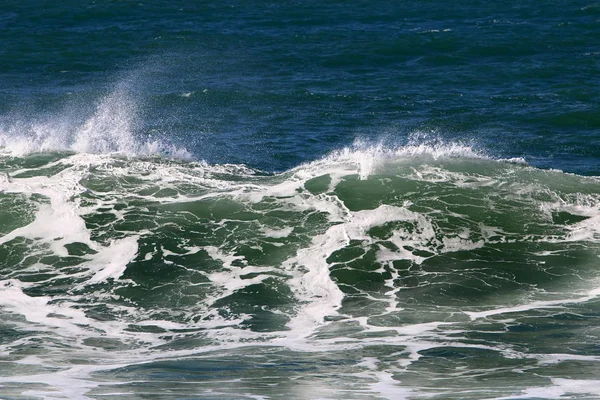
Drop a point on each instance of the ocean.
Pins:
(299, 199)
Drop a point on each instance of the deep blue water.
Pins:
(299, 199)
(274, 85)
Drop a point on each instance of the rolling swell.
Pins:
(432, 252)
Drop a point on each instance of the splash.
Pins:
(115, 126)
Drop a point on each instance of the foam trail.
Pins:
(561, 388)
(322, 297)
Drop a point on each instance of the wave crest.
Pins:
(366, 159)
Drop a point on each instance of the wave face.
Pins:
(412, 272)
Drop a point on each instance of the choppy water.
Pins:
(299, 200)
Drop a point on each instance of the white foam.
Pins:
(514, 160)
(70, 383)
(556, 358)
(389, 388)
(57, 223)
(60, 223)
(317, 294)
(277, 233)
(111, 260)
(560, 388)
(549, 304)
(228, 280)
(579, 204)
(586, 230)
(42, 311)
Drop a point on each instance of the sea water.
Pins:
(300, 200)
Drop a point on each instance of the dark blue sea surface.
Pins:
(275, 85)
(299, 199)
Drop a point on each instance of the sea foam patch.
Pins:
(174, 260)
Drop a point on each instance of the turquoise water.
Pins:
(299, 200)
